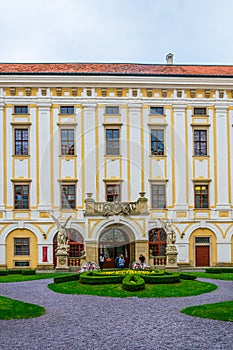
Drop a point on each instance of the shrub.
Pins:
(3, 272)
(186, 276)
(67, 278)
(133, 283)
(94, 277)
(214, 270)
(162, 279)
(15, 272)
(28, 272)
(228, 270)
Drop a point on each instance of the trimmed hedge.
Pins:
(67, 278)
(162, 279)
(15, 272)
(3, 272)
(133, 283)
(186, 276)
(94, 277)
(28, 272)
(219, 270)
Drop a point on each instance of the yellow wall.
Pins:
(10, 257)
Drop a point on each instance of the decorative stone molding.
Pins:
(119, 92)
(221, 93)
(43, 91)
(104, 92)
(149, 92)
(107, 209)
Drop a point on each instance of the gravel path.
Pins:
(99, 323)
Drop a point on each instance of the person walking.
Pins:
(142, 260)
(101, 261)
(121, 262)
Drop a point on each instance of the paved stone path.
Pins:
(99, 323)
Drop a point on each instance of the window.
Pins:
(113, 192)
(67, 110)
(156, 110)
(21, 194)
(200, 142)
(157, 242)
(21, 142)
(199, 111)
(202, 240)
(20, 109)
(68, 196)
(158, 196)
(67, 142)
(21, 246)
(112, 142)
(112, 110)
(201, 196)
(157, 142)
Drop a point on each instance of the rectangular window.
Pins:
(158, 196)
(156, 111)
(200, 142)
(68, 197)
(20, 109)
(21, 194)
(201, 196)
(21, 246)
(67, 110)
(157, 142)
(113, 192)
(112, 142)
(67, 142)
(112, 110)
(21, 142)
(199, 111)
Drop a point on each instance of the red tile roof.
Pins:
(116, 69)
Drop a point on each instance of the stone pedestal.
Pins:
(171, 260)
(62, 261)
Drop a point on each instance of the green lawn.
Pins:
(215, 276)
(22, 278)
(14, 309)
(220, 311)
(182, 289)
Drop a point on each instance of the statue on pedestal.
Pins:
(62, 243)
(171, 250)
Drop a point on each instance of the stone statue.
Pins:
(61, 236)
(171, 236)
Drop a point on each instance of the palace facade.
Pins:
(118, 147)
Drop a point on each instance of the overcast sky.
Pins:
(199, 31)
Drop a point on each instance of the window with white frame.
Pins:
(201, 196)
(68, 196)
(158, 196)
(112, 141)
(157, 142)
(67, 110)
(21, 141)
(112, 110)
(21, 196)
(200, 142)
(67, 142)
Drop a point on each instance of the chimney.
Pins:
(169, 58)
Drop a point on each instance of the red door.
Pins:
(202, 255)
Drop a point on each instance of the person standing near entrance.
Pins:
(142, 259)
(101, 261)
(121, 262)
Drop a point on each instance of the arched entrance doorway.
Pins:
(113, 242)
(76, 243)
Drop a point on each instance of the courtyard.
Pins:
(91, 322)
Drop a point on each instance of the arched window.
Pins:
(157, 242)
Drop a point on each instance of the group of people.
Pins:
(119, 261)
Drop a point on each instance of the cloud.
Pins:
(116, 30)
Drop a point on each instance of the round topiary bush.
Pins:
(133, 283)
